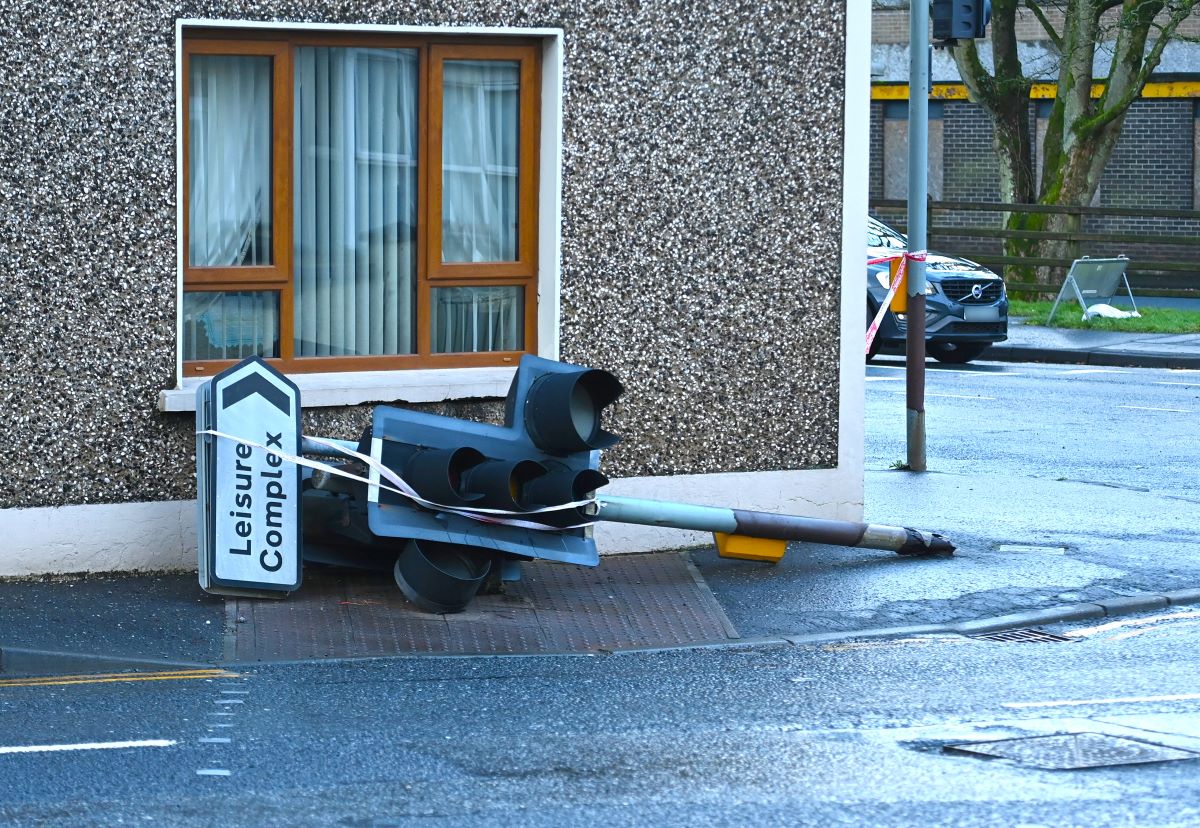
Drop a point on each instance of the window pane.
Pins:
(230, 325)
(229, 160)
(355, 201)
(471, 319)
(480, 150)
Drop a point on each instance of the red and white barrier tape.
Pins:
(904, 258)
(402, 488)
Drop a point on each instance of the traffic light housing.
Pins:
(546, 454)
(960, 19)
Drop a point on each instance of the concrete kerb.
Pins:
(1107, 359)
(1110, 608)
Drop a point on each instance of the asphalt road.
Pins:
(1130, 428)
(843, 734)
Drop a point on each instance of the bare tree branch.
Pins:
(1054, 36)
(1112, 109)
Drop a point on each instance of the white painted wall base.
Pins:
(124, 537)
(135, 537)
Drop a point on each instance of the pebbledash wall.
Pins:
(706, 181)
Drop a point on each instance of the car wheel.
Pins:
(878, 340)
(956, 353)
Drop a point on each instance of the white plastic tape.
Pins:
(401, 487)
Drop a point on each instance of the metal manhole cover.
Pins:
(1024, 635)
(1070, 751)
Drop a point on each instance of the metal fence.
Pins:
(1163, 245)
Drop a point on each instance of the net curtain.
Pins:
(229, 161)
(355, 200)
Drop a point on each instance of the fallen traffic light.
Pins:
(488, 495)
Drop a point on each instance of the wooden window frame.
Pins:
(431, 272)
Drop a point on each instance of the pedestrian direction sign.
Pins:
(248, 524)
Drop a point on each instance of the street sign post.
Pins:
(248, 523)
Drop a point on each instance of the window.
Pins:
(358, 202)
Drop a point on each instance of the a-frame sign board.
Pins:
(1094, 281)
(248, 523)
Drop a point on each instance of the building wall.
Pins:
(1152, 166)
(690, 193)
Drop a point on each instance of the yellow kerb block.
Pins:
(749, 549)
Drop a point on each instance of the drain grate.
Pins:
(1072, 751)
(1024, 635)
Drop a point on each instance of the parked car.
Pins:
(966, 307)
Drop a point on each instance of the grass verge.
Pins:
(1069, 315)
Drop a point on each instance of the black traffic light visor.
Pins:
(562, 410)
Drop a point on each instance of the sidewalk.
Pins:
(1032, 343)
(1029, 343)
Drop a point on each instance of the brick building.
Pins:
(1153, 166)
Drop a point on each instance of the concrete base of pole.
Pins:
(916, 440)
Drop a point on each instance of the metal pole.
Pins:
(741, 522)
(767, 525)
(918, 187)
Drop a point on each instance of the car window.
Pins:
(880, 235)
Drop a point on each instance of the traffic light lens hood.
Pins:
(565, 486)
(501, 483)
(441, 577)
(562, 410)
(437, 474)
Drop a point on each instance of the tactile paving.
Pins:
(629, 601)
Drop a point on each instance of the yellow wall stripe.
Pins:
(1039, 91)
(105, 678)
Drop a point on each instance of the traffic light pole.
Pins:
(918, 188)
(736, 522)
(766, 525)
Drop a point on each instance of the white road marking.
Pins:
(1119, 700)
(1147, 408)
(950, 396)
(212, 772)
(229, 701)
(236, 692)
(1016, 547)
(1094, 371)
(1167, 382)
(1132, 622)
(215, 740)
(87, 746)
(932, 370)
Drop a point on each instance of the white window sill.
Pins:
(354, 388)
